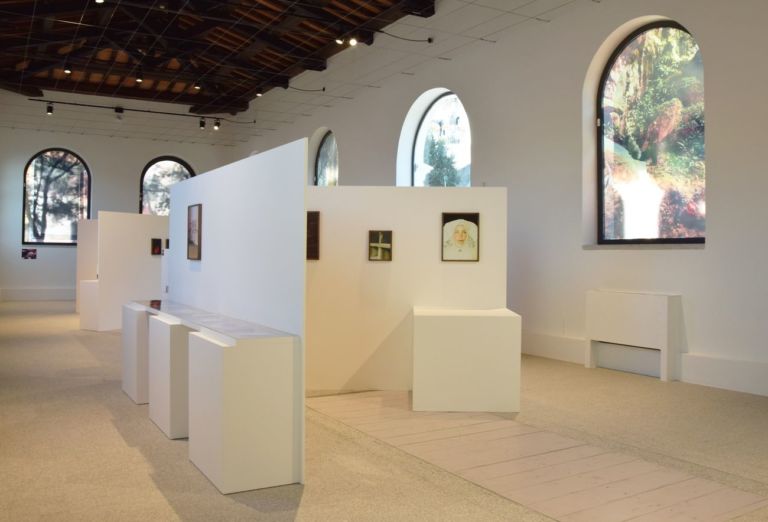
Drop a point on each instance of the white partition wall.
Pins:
(126, 269)
(253, 228)
(87, 254)
(359, 322)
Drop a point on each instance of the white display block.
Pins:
(244, 410)
(88, 293)
(135, 353)
(643, 319)
(169, 376)
(466, 360)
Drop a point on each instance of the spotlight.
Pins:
(119, 113)
(99, 1)
(259, 93)
(340, 40)
(140, 76)
(216, 124)
(49, 109)
(197, 86)
(353, 41)
(202, 123)
(67, 68)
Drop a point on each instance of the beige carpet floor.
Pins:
(74, 447)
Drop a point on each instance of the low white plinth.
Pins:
(135, 353)
(88, 294)
(169, 376)
(466, 360)
(245, 411)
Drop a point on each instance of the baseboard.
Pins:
(37, 294)
(729, 374)
(568, 349)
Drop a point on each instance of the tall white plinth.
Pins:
(245, 411)
(135, 353)
(466, 360)
(169, 376)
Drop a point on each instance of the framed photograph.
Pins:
(313, 235)
(379, 245)
(194, 231)
(461, 236)
(29, 253)
(157, 246)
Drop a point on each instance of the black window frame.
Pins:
(601, 240)
(328, 134)
(24, 201)
(150, 165)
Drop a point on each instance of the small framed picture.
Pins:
(194, 231)
(157, 246)
(313, 234)
(29, 253)
(461, 236)
(379, 245)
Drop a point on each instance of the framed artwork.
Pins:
(157, 246)
(461, 236)
(167, 243)
(379, 245)
(194, 231)
(29, 253)
(313, 234)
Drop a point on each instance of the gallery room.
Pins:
(383, 260)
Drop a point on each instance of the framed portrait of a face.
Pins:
(461, 236)
(379, 245)
(194, 231)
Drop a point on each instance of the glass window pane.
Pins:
(56, 196)
(442, 153)
(652, 109)
(327, 167)
(156, 185)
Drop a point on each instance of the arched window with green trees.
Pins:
(651, 179)
(57, 189)
(156, 181)
(327, 162)
(442, 150)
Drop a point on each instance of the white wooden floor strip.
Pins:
(555, 475)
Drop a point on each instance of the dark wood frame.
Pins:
(391, 244)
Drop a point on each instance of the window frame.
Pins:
(620, 48)
(317, 157)
(24, 192)
(418, 128)
(150, 165)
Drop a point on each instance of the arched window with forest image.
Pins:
(57, 188)
(651, 180)
(442, 150)
(156, 181)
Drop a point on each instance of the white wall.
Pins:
(524, 99)
(116, 166)
(359, 322)
(253, 239)
(87, 258)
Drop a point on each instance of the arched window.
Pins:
(327, 162)
(156, 181)
(442, 150)
(651, 139)
(57, 189)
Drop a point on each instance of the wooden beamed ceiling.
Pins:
(215, 56)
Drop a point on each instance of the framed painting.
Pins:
(157, 246)
(194, 231)
(461, 236)
(313, 235)
(379, 245)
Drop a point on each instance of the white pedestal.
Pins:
(88, 294)
(466, 360)
(245, 411)
(169, 376)
(135, 353)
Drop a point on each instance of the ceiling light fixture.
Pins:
(49, 109)
(67, 68)
(140, 76)
(99, 1)
(340, 40)
(216, 124)
(202, 123)
(197, 86)
(352, 41)
(119, 112)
